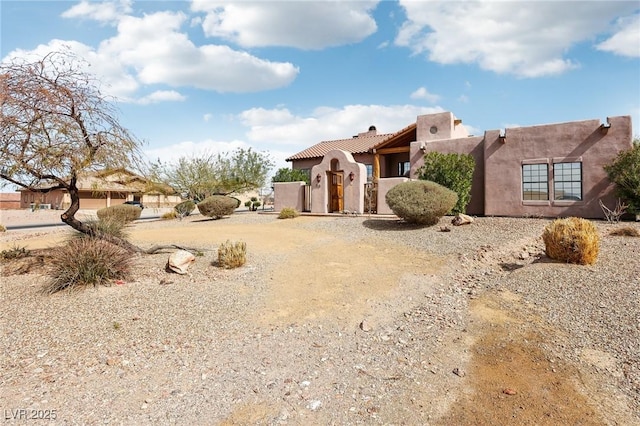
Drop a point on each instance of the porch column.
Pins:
(376, 167)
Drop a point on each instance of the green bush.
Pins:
(288, 213)
(122, 212)
(185, 208)
(421, 202)
(572, 240)
(624, 172)
(453, 171)
(87, 262)
(253, 204)
(232, 255)
(217, 206)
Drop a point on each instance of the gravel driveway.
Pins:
(334, 320)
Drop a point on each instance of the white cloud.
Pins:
(207, 117)
(152, 50)
(527, 39)
(160, 53)
(108, 11)
(423, 93)
(325, 123)
(193, 149)
(300, 24)
(626, 41)
(162, 96)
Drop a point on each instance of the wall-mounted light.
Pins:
(352, 176)
(318, 178)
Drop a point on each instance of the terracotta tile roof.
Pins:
(357, 145)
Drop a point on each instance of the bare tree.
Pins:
(55, 126)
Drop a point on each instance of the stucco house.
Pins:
(550, 170)
(103, 189)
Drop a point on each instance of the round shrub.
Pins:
(87, 262)
(421, 202)
(124, 213)
(288, 213)
(572, 240)
(2, 228)
(217, 206)
(238, 202)
(232, 255)
(185, 208)
(169, 215)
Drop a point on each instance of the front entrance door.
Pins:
(336, 198)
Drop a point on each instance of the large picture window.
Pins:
(567, 181)
(535, 182)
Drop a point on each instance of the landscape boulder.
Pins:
(461, 219)
(180, 261)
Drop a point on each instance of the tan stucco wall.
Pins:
(575, 141)
(444, 122)
(468, 145)
(384, 185)
(353, 191)
(288, 194)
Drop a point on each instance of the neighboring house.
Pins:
(9, 200)
(98, 190)
(548, 170)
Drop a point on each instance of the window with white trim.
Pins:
(535, 181)
(567, 181)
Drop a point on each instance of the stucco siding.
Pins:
(585, 142)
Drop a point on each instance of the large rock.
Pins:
(180, 261)
(461, 219)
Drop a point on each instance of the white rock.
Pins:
(180, 261)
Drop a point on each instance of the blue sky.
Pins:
(278, 76)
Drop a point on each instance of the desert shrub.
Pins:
(169, 215)
(184, 208)
(453, 171)
(253, 204)
(86, 262)
(110, 225)
(624, 172)
(123, 212)
(217, 206)
(288, 213)
(238, 202)
(626, 231)
(232, 255)
(572, 240)
(3, 228)
(15, 252)
(421, 202)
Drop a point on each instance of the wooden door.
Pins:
(336, 203)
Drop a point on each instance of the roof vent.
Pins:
(372, 128)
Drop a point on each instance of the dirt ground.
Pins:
(507, 377)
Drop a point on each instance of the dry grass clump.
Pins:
(169, 215)
(3, 228)
(232, 255)
(572, 240)
(15, 252)
(288, 213)
(86, 262)
(626, 231)
(109, 225)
